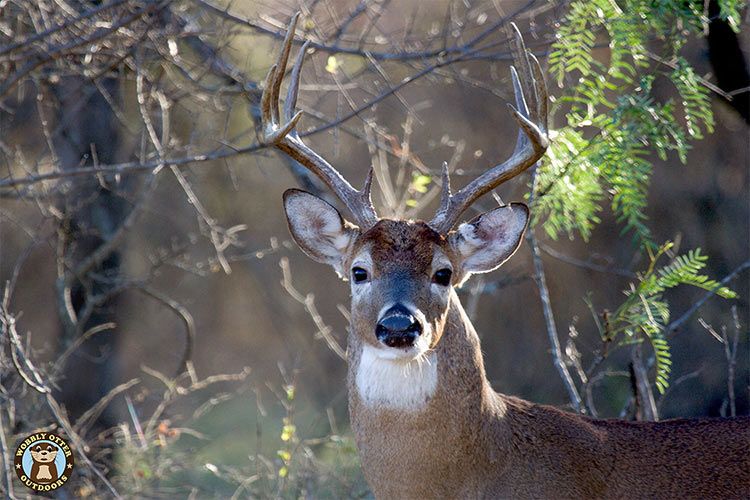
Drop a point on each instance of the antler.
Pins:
(531, 144)
(280, 131)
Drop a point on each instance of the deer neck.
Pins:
(440, 409)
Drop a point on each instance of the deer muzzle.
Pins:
(398, 328)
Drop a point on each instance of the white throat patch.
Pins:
(395, 383)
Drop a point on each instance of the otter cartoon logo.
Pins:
(44, 461)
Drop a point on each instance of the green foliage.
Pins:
(418, 186)
(614, 123)
(684, 270)
(730, 10)
(645, 314)
(606, 57)
(695, 99)
(571, 203)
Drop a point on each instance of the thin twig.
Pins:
(676, 324)
(676, 383)
(467, 53)
(308, 301)
(644, 394)
(63, 358)
(89, 417)
(23, 365)
(730, 353)
(43, 34)
(402, 56)
(59, 52)
(586, 264)
(186, 318)
(541, 282)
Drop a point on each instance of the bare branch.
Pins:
(541, 282)
(644, 395)
(324, 331)
(676, 324)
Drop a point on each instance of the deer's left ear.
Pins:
(486, 242)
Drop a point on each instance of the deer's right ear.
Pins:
(318, 228)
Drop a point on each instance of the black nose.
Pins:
(398, 327)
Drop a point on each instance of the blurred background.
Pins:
(155, 309)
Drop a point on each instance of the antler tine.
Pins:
(290, 104)
(265, 100)
(521, 108)
(283, 134)
(445, 192)
(541, 92)
(531, 115)
(522, 67)
(281, 63)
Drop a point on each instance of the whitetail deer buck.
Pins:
(426, 421)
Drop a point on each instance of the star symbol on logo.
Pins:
(70, 466)
(18, 466)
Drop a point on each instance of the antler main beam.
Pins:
(531, 114)
(279, 129)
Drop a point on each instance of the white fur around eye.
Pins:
(440, 261)
(360, 291)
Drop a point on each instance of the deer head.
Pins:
(401, 272)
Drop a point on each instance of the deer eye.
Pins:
(359, 275)
(442, 277)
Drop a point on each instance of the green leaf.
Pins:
(419, 183)
(568, 187)
(645, 313)
(696, 102)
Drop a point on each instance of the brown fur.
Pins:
(402, 246)
(470, 442)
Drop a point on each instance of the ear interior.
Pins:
(318, 228)
(486, 242)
